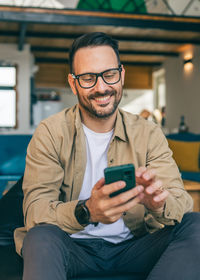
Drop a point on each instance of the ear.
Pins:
(71, 82)
(123, 75)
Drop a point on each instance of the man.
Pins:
(74, 226)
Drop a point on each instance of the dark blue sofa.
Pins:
(187, 137)
(12, 158)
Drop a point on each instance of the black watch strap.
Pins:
(82, 214)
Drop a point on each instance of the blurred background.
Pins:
(159, 48)
(159, 43)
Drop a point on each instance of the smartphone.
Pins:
(124, 172)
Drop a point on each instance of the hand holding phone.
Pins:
(124, 172)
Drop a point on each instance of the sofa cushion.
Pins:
(13, 153)
(11, 213)
(11, 264)
(14, 165)
(184, 136)
(186, 154)
(191, 176)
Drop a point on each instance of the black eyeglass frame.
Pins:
(76, 77)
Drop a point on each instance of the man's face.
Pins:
(102, 100)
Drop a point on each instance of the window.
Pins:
(160, 88)
(8, 96)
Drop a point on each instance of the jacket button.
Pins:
(111, 161)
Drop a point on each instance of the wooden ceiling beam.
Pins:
(59, 35)
(22, 35)
(127, 52)
(49, 49)
(78, 17)
(66, 61)
(149, 53)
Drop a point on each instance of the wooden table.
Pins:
(193, 189)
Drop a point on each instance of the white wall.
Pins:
(135, 100)
(9, 53)
(68, 99)
(183, 92)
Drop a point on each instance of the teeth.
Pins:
(103, 98)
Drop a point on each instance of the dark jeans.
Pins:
(172, 253)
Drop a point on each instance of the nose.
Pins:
(100, 86)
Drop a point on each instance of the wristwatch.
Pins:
(82, 214)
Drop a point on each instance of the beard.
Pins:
(100, 111)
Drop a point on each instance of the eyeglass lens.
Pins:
(111, 76)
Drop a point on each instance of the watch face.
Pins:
(82, 213)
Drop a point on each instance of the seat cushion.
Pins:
(184, 136)
(14, 165)
(11, 214)
(191, 176)
(11, 265)
(13, 152)
(186, 154)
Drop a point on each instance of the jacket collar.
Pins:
(119, 130)
(78, 122)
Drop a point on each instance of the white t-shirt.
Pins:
(97, 145)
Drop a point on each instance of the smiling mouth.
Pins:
(103, 99)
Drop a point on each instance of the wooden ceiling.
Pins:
(145, 40)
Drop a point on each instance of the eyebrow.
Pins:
(113, 68)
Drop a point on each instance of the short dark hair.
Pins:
(92, 39)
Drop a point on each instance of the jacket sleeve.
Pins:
(42, 182)
(159, 158)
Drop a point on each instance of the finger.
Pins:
(111, 219)
(126, 196)
(161, 196)
(140, 171)
(123, 208)
(144, 176)
(143, 182)
(110, 188)
(154, 187)
(99, 184)
(149, 174)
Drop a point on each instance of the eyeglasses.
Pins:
(89, 80)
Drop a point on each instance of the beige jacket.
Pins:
(55, 166)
